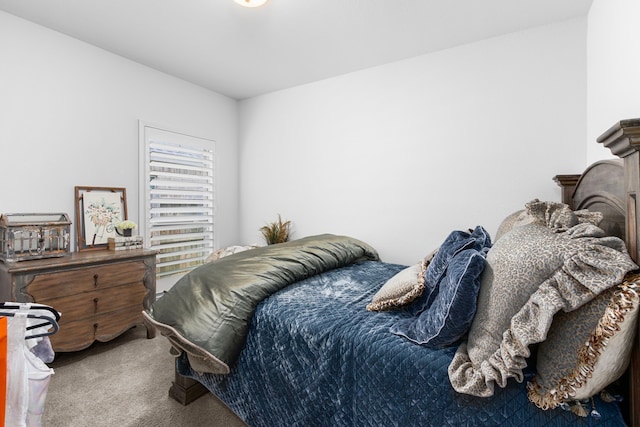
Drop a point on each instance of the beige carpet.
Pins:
(125, 382)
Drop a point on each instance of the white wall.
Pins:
(397, 155)
(400, 155)
(69, 116)
(613, 69)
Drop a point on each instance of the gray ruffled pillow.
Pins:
(533, 271)
(556, 216)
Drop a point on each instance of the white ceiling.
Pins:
(243, 52)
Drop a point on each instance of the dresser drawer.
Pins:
(80, 334)
(87, 304)
(70, 282)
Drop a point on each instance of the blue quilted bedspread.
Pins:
(315, 357)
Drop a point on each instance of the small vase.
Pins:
(127, 232)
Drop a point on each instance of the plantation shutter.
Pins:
(178, 199)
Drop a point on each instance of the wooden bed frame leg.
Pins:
(186, 390)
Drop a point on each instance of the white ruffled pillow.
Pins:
(587, 349)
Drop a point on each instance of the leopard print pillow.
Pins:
(516, 219)
(532, 272)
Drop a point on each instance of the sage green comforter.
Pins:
(207, 313)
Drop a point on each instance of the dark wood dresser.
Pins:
(100, 294)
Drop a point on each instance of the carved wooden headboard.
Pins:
(613, 188)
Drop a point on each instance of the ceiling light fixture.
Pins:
(251, 3)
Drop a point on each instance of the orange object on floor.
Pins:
(3, 367)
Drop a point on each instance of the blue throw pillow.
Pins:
(456, 242)
(451, 312)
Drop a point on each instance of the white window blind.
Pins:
(178, 194)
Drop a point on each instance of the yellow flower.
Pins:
(125, 225)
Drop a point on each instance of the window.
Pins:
(176, 200)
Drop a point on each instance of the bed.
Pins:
(319, 331)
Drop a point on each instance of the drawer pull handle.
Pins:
(95, 328)
(95, 280)
(95, 304)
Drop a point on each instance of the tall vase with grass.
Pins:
(276, 231)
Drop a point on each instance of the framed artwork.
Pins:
(98, 210)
